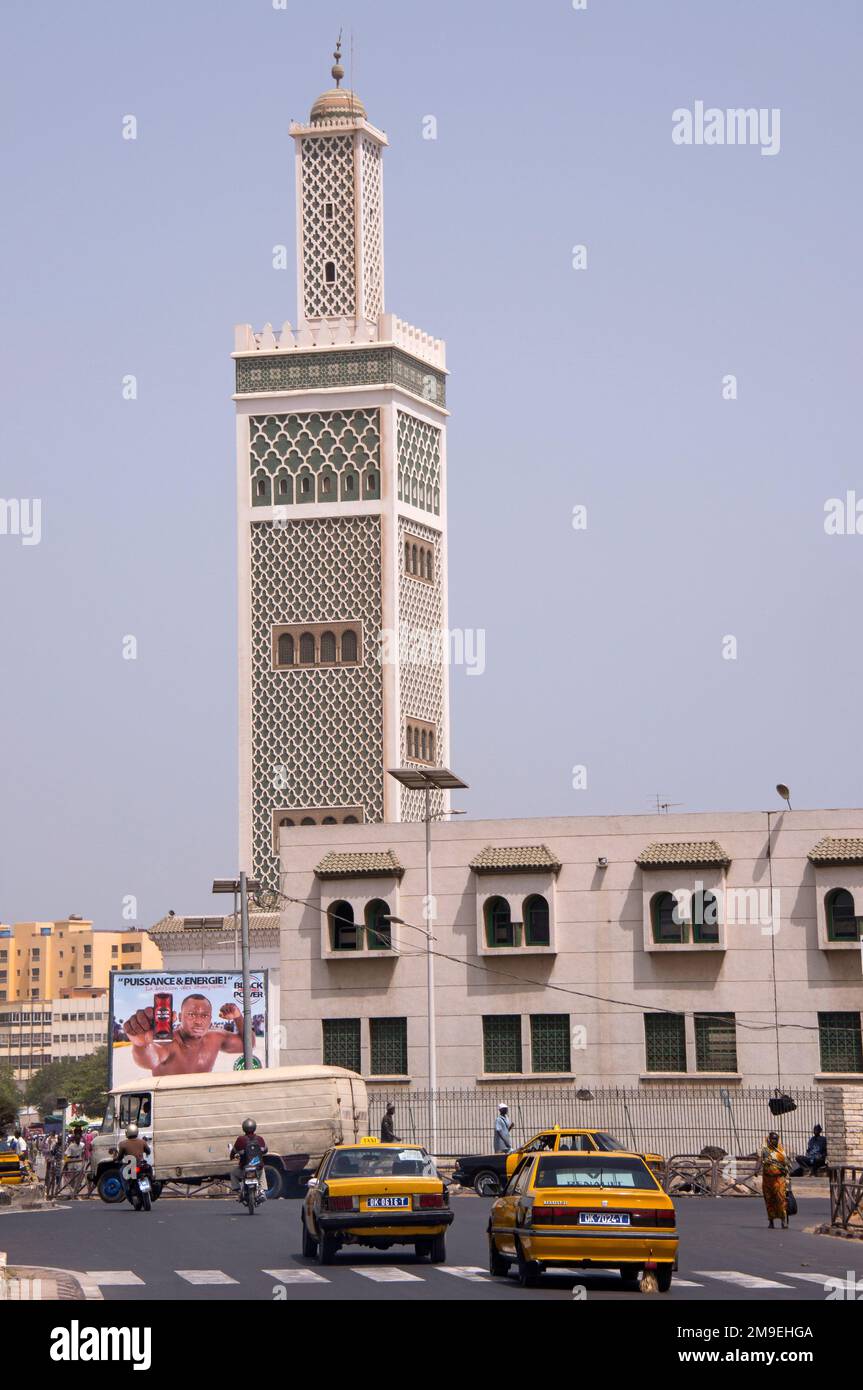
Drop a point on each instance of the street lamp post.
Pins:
(244, 887)
(427, 780)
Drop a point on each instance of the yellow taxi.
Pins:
(488, 1175)
(377, 1195)
(13, 1169)
(582, 1211)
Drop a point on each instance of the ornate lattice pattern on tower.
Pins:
(373, 258)
(421, 660)
(341, 443)
(317, 733)
(328, 178)
(418, 445)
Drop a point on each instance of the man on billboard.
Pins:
(191, 1046)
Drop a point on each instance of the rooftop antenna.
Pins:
(353, 89)
(663, 807)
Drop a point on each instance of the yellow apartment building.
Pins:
(47, 960)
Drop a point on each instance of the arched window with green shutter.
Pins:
(663, 912)
(379, 932)
(842, 925)
(537, 922)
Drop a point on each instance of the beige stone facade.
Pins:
(576, 979)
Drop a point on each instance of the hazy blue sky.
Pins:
(600, 387)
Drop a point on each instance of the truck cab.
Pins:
(122, 1109)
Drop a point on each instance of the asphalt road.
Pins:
(727, 1252)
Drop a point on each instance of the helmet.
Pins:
(249, 1126)
(131, 1131)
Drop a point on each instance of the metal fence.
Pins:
(668, 1120)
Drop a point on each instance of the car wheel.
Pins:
(423, 1248)
(110, 1186)
(275, 1182)
(629, 1277)
(486, 1184)
(310, 1245)
(437, 1254)
(664, 1275)
(327, 1247)
(497, 1265)
(528, 1270)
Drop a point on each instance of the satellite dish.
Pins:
(784, 793)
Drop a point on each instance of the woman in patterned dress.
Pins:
(774, 1168)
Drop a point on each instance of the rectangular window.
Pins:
(665, 1042)
(840, 1042)
(501, 1040)
(342, 1043)
(549, 1042)
(35, 953)
(389, 1046)
(715, 1042)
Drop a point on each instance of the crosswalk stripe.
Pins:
(475, 1273)
(113, 1278)
(296, 1276)
(685, 1283)
(746, 1281)
(385, 1274)
(812, 1278)
(205, 1276)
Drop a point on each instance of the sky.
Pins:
(697, 639)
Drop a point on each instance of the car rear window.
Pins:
(590, 1171)
(608, 1141)
(381, 1163)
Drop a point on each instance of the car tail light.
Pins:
(550, 1216)
(340, 1204)
(431, 1199)
(653, 1216)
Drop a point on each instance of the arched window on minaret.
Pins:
(328, 647)
(349, 645)
(307, 649)
(286, 650)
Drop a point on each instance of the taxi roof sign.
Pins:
(369, 1139)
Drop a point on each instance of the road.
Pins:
(210, 1249)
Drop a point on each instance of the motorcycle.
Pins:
(140, 1190)
(250, 1190)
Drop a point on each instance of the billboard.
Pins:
(165, 1023)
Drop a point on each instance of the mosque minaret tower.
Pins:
(341, 501)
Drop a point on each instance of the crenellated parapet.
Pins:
(387, 330)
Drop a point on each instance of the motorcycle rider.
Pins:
(132, 1147)
(247, 1145)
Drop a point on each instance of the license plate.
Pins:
(397, 1203)
(251, 1182)
(144, 1184)
(603, 1218)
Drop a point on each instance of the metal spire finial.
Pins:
(337, 69)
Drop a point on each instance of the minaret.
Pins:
(341, 503)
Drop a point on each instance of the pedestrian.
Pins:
(774, 1166)
(388, 1134)
(815, 1156)
(53, 1168)
(503, 1130)
(75, 1164)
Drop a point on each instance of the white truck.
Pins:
(192, 1121)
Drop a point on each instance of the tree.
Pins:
(10, 1096)
(85, 1082)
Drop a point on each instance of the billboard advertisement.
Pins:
(165, 1023)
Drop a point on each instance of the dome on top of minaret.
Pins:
(338, 104)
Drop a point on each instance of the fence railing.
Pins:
(846, 1197)
(673, 1119)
